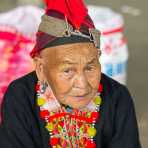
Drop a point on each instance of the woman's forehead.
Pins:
(72, 54)
(71, 51)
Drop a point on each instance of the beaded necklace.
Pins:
(69, 128)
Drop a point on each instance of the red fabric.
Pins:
(42, 39)
(74, 10)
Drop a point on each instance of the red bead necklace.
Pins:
(68, 127)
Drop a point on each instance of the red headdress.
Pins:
(64, 18)
(74, 10)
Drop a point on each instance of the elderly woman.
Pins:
(67, 102)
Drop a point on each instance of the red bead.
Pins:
(81, 118)
(54, 141)
(80, 124)
(90, 144)
(37, 87)
(61, 123)
(89, 120)
(44, 114)
(94, 115)
(100, 88)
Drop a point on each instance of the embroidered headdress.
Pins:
(64, 22)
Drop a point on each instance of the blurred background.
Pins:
(135, 16)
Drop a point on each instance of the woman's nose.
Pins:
(81, 81)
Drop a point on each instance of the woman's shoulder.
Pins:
(27, 81)
(29, 78)
(21, 89)
(109, 82)
(115, 91)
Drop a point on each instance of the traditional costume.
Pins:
(32, 115)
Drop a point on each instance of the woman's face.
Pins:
(74, 72)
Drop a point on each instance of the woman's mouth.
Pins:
(80, 97)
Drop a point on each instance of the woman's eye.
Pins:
(68, 71)
(89, 68)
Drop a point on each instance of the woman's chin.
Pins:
(78, 104)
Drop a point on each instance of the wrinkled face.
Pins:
(74, 72)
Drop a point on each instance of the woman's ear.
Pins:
(39, 68)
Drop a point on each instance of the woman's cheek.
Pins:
(63, 84)
(94, 79)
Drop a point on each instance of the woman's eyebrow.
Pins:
(69, 62)
(91, 61)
